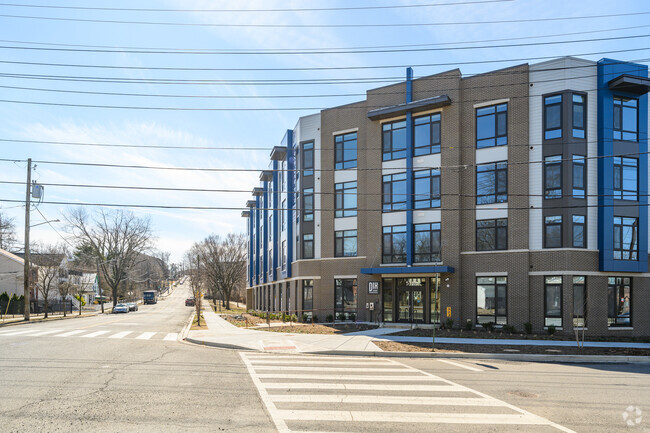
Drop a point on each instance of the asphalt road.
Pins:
(128, 373)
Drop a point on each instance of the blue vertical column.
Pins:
(409, 170)
(257, 240)
(251, 246)
(276, 213)
(291, 180)
(265, 213)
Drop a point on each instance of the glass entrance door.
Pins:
(411, 305)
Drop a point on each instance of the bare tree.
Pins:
(48, 259)
(66, 288)
(7, 232)
(195, 271)
(224, 260)
(115, 239)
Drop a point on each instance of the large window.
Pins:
(394, 244)
(579, 175)
(553, 177)
(346, 199)
(579, 116)
(491, 300)
(492, 234)
(387, 299)
(345, 151)
(427, 243)
(307, 294)
(345, 243)
(626, 178)
(283, 214)
(578, 231)
(492, 126)
(626, 117)
(553, 231)
(345, 295)
(492, 183)
(284, 255)
(308, 246)
(619, 301)
(434, 283)
(394, 140)
(426, 187)
(308, 204)
(426, 135)
(553, 301)
(579, 302)
(394, 192)
(626, 235)
(553, 117)
(308, 159)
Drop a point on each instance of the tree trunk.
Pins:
(64, 309)
(46, 307)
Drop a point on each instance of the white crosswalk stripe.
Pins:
(70, 333)
(343, 394)
(95, 334)
(120, 334)
(89, 333)
(171, 337)
(145, 336)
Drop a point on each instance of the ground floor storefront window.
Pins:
(345, 297)
(579, 302)
(553, 301)
(307, 296)
(619, 301)
(411, 300)
(491, 300)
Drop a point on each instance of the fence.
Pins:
(12, 308)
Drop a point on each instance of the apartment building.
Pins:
(510, 197)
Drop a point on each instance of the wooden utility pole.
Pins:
(27, 211)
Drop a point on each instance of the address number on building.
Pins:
(373, 287)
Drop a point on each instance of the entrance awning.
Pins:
(409, 270)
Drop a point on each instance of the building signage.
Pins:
(373, 287)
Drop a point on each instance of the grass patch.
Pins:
(319, 329)
(195, 325)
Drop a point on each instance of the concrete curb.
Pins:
(186, 329)
(220, 345)
(49, 319)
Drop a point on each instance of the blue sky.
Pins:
(176, 230)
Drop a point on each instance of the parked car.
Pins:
(132, 306)
(189, 302)
(121, 308)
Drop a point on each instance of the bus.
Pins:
(150, 297)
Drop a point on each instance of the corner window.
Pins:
(427, 243)
(308, 159)
(345, 243)
(553, 177)
(345, 199)
(626, 115)
(492, 126)
(284, 255)
(491, 300)
(394, 192)
(387, 299)
(426, 135)
(308, 204)
(553, 117)
(579, 116)
(345, 151)
(578, 231)
(579, 302)
(345, 296)
(553, 231)
(626, 235)
(394, 140)
(619, 301)
(394, 244)
(426, 188)
(626, 178)
(553, 301)
(307, 294)
(308, 246)
(579, 174)
(492, 183)
(492, 234)
(283, 213)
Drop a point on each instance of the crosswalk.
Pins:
(345, 394)
(90, 333)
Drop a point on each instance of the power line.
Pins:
(302, 26)
(320, 9)
(136, 146)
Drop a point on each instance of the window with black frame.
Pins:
(308, 159)
(394, 244)
(492, 183)
(553, 177)
(579, 116)
(492, 234)
(427, 246)
(345, 151)
(492, 126)
(619, 301)
(345, 203)
(426, 189)
(553, 231)
(626, 116)
(394, 140)
(626, 238)
(553, 301)
(345, 243)
(394, 192)
(579, 175)
(578, 231)
(387, 299)
(579, 301)
(426, 134)
(308, 246)
(308, 204)
(626, 178)
(553, 117)
(345, 296)
(491, 300)
(307, 296)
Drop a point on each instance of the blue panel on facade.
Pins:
(409, 170)
(408, 270)
(265, 218)
(276, 213)
(291, 175)
(608, 70)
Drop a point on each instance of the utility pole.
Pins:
(27, 209)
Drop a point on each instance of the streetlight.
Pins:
(45, 222)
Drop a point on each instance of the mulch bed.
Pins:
(319, 329)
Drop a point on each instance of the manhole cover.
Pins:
(524, 394)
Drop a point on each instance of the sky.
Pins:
(43, 60)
